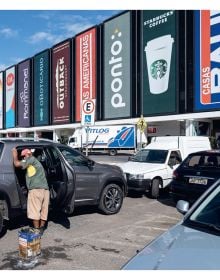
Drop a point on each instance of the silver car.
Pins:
(194, 243)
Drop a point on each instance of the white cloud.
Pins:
(8, 32)
(15, 60)
(12, 61)
(71, 25)
(67, 27)
(41, 36)
(74, 28)
(60, 27)
(3, 67)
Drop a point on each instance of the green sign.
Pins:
(41, 88)
(159, 62)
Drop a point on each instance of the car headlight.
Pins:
(136, 176)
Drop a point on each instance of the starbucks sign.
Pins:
(158, 62)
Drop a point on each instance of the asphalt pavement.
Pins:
(89, 240)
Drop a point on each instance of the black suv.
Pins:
(194, 175)
(73, 178)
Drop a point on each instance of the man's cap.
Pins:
(25, 152)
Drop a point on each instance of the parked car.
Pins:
(194, 243)
(151, 169)
(73, 178)
(194, 175)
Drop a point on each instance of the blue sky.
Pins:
(25, 33)
(30, 26)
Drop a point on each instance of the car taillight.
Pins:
(175, 174)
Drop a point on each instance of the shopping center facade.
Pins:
(163, 65)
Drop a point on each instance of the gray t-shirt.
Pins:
(35, 174)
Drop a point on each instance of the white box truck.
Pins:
(106, 138)
(152, 167)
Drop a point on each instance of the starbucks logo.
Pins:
(158, 69)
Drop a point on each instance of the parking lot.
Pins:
(90, 240)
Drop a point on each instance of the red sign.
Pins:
(205, 57)
(151, 129)
(85, 69)
(10, 79)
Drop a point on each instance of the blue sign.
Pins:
(207, 60)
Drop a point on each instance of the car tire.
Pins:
(155, 188)
(1, 222)
(111, 199)
(3, 212)
(112, 152)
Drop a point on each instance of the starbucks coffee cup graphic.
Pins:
(158, 56)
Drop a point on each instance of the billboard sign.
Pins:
(117, 67)
(158, 57)
(86, 63)
(10, 97)
(61, 99)
(23, 98)
(207, 60)
(1, 100)
(41, 88)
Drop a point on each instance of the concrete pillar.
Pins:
(190, 128)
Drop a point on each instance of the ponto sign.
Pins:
(88, 112)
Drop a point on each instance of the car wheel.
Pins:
(3, 213)
(111, 199)
(112, 152)
(1, 221)
(155, 188)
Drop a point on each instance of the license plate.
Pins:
(199, 181)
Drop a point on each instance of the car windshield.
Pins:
(150, 156)
(207, 214)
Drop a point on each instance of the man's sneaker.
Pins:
(42, 229)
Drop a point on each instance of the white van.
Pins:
(152, 167)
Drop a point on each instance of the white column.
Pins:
(190, 128)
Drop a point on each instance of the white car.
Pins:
(151, 169)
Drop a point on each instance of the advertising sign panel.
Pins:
(117, 67)
(86, 63)
(10, 97)
(158, 58)
(207, 60)
(61, 99)
(1, 100)
(41, 88)
(23, 98)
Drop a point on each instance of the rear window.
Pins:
(203, 161)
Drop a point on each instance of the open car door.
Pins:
(60, 177)
(61, 180)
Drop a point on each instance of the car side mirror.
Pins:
(182, 206)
